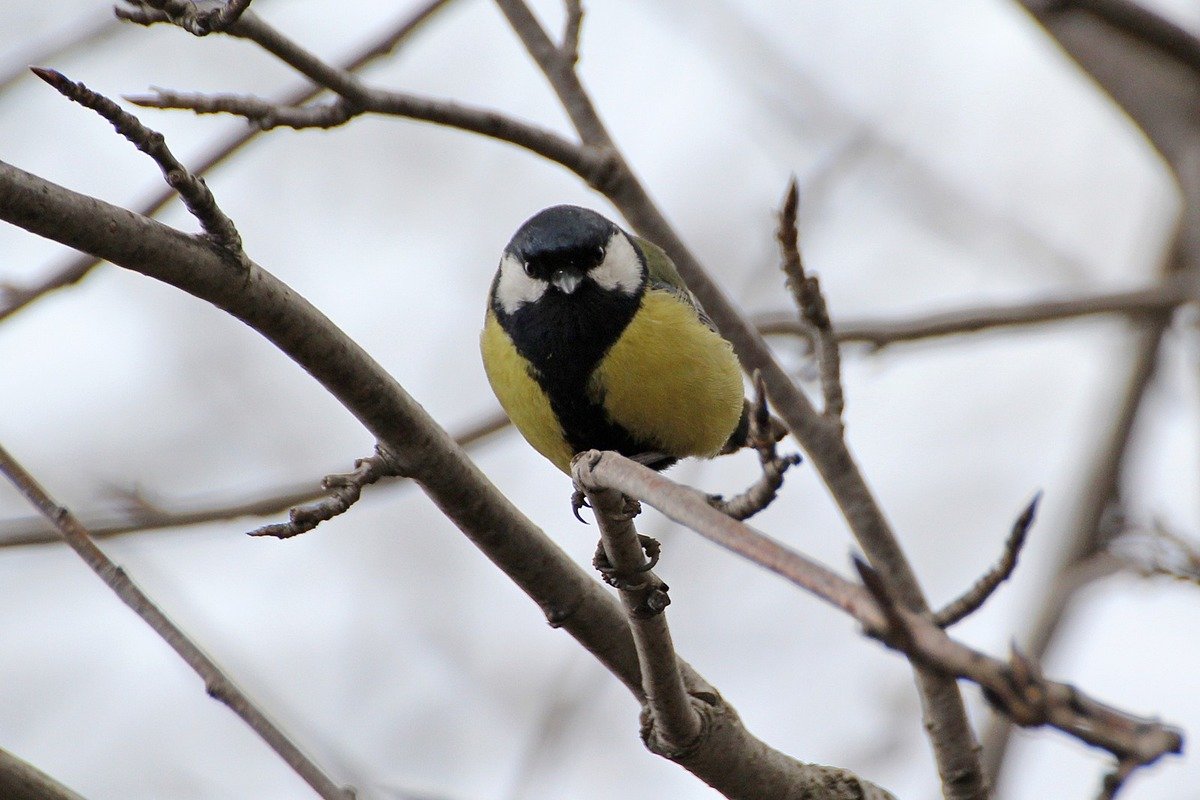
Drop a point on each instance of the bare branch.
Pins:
(12, 299)
(978, 594)
(810, 301)
(762, 438)
(1017, 687)
(344, 491)
(571, 28)
(185, 13)
(216, 682)
(20, 780)
(1154, 300)
(1146, 25)
(543, 142)
(264, 114)
(155, 514)
(729, 757)
(192, 190)
(1115, 780)
(670, 723)
(1081, 561)
(1157, 550)
(945, 715)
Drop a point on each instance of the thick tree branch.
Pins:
(216, 682)
(14, 298)
(20, 780)
(1016, 687)
(1146, 25)
(945, 716)
(730, 759)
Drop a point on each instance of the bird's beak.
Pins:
(567, 281)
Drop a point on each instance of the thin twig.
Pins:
(344, 491)
(192, 189)
(1155, 550)
(762, 438)
(483, 121)
(154, 514)
(983, 588)
(572, 25)
(810, 301)
(185, 14)
(1017, 686)
(1115, 780)
(670, 723)
(216, 682)
(879, 333)
(356, 99)
(14, 298)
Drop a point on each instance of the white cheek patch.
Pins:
(515, 288)
(621, 269)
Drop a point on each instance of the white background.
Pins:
(948, 154)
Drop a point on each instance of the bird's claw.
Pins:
(621, 579)
(578, 501)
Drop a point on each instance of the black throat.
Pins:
(564, 337)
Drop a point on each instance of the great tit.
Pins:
(593, 341)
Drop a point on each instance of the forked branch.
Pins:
(1017, 687)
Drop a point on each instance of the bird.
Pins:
(592, 341)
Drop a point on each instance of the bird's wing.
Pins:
(665, 277)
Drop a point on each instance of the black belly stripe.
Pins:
(564, 338)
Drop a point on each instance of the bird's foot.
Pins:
(623, 580)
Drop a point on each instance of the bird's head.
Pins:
(561, 250)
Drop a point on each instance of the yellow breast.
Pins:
(520, 395)
(671, 380)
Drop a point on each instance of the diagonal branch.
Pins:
(762, 438)
(13, 298)
(20, 780)
(732, 760)
(1146, 25)
(216, 682)
(822, 438)
(192, 189)
(1016, 687)
(978, 594)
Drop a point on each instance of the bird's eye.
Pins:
(600, 254)
(528, 268)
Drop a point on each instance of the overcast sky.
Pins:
(948, 154)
